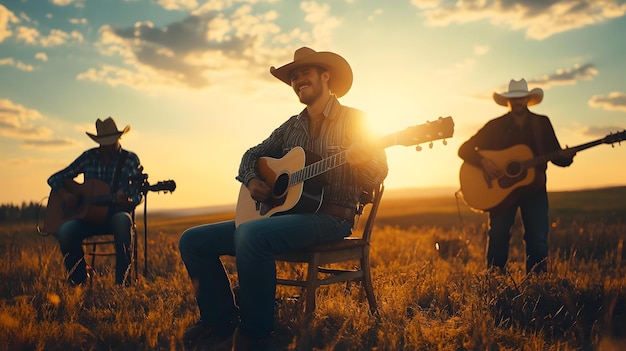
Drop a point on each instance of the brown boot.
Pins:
(242, 342)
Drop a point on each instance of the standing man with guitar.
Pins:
(500, 137)
(102, 204)
(324, 128)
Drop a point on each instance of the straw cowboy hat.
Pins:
(107, 132)
(340, 71)
(518, 89)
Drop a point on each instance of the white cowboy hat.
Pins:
(518, 89)
(340, 71)
(107, 132)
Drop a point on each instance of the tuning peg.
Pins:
(430, 145)
(418, 148)
(445, 142)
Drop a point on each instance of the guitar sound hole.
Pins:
(513, 169)
(281, 184)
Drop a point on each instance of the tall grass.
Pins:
(431, 282)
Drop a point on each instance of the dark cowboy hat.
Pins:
(340, 71)
(107, 132)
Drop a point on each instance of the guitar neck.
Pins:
(555, 154)
(317, 168)
(334, 161)
(440, 129)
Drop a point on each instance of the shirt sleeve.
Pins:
(551, 143)
(270, 147)
(70, 172)
(370, 174)
(484, 138)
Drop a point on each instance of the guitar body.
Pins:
(484, 194)
(92, 205)
(519, 163)
(299, 198)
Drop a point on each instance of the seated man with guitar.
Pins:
(102, 204)
(276, 212)
(489, 183)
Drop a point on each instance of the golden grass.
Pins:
(430, 299)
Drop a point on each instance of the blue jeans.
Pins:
(72, 233)
(534, 211)
(254, 245)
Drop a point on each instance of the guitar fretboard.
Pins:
(440, 129)
(555, 154)
(317, 168)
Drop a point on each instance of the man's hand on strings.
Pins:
(259, 190)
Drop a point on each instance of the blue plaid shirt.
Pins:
(91, 165)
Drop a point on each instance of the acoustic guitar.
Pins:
(295, 188)
(518, 162)
(94, 199)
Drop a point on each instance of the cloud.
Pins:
(615, 101)
(539, 19)
(206, 46)
(49, 143)
(6, 18)
(175, 54)
(24, 125)
(17, 64)
(563, 76)
(602, 131)
(41, 56)
(566, 76)
(178, 4)
(56, 37)
(62, 2)
(78, 20)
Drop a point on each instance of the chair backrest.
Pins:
(375, 197)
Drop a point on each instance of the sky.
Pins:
(191, 78)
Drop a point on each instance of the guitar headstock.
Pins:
(441, 128)
(615, 138)
(165, 185)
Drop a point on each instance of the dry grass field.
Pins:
(429, 277)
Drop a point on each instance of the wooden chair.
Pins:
(104, 245)
(318, 259)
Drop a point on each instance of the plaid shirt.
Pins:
(342, 127)
(90, 164)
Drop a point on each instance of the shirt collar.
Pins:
(330, 111)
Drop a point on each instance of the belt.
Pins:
(342, 212)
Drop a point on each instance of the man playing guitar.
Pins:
(102, 204)
(325, 128)
(517, 128)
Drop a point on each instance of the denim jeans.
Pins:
(72, 233)
(254, 245)
(534, 211)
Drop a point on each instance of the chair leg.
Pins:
(311, 284)
(93, 257)
(134, 260)
(367, 283)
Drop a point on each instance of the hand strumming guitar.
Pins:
(490, 168)
(69, 199)
(259, 190)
